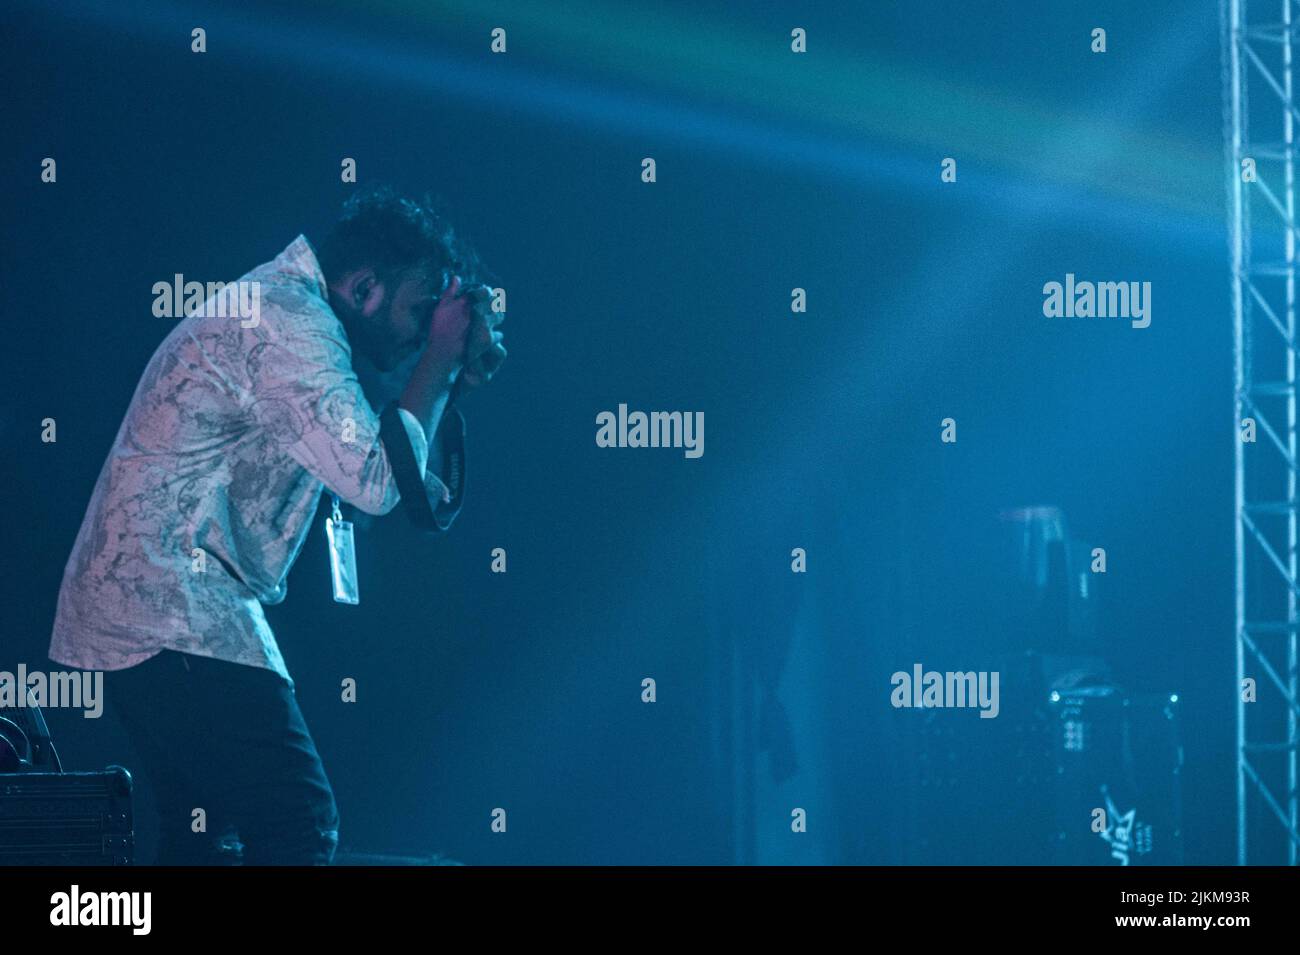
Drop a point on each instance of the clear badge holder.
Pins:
(343, 557)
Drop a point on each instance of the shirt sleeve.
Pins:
(437, 490)
(431, 501)
(451, 434)
(304, 393)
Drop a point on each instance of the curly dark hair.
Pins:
(392, 233)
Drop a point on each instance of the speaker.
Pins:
(978, 791)
(1118, 782)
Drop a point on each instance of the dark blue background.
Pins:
(774, 171)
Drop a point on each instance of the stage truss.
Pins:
(1260, 149)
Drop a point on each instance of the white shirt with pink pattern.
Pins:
(212, 482)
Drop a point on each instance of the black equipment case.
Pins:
(66, 818)
(1119, 778)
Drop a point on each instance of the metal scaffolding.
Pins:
(1257, 52)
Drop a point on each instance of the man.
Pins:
(209, 491)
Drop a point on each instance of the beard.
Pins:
(369, 335)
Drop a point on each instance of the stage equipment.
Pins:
(1118, 779)
(1259, 135)
(57, 818)
(66, 818)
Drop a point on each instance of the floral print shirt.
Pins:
(211, 485)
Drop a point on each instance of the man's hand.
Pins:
(429, 388)
(445, 349)
(484, 351)
(462, 341)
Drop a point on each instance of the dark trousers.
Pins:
(228, 739)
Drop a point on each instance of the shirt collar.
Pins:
(299, 259)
